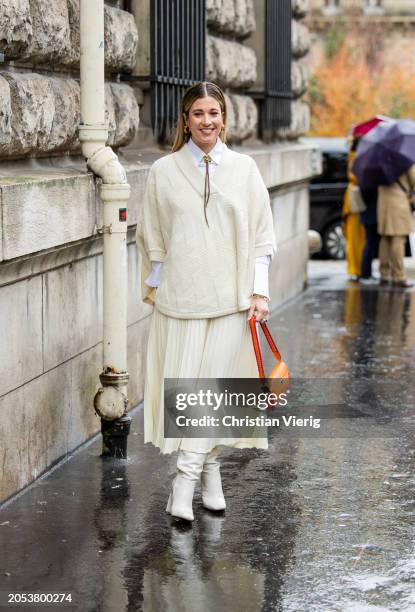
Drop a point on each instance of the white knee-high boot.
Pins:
(212, 494)
(189, 468)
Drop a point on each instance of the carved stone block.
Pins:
(66, 117)
(243, 116)
(300, 122)
(229, 63)
(126, 113)
(300, 39)
(51, 40)
(121, 40)
(15, 28)
(33, 109)
(234, 17)
(5, 115)
(300, 8)
(74, 26)
(299, 78)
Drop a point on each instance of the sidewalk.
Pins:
(313, 524)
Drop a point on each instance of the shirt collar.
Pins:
(215, 153)
(187, 165)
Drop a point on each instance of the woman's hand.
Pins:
(259, 308)
(151, 298)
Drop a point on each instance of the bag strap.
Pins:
(257, 346)
(271, 342)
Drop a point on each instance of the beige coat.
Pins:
(394, 212)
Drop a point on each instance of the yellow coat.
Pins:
(354, 231)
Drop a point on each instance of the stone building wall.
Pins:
(300, 45)
(300, 111)
(39, 78)
(39, 85)
(232, 64)
(50, 251)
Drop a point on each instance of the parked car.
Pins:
(327, 193)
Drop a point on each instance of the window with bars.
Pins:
(271, 41)
(178, 35)
(177, 58)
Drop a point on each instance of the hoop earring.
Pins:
(186, 129)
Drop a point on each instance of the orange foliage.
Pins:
(348, 89)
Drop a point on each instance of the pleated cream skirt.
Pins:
(220, 347)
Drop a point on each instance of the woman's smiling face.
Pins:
(205, 122)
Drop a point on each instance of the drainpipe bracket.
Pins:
(104, 229)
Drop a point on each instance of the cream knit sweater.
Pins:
(207, 271)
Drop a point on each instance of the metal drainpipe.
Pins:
(111, 400)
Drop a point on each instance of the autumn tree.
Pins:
(353, 83)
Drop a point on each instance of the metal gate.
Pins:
(178, 42)
(276, 106)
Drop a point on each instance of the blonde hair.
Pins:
(193, 93)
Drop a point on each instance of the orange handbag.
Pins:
(279, 378)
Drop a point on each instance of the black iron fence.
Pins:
(178, 56)
(276, 105)
(178, 42)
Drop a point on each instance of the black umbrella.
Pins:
(385, 153)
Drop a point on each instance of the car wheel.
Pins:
(334, 243)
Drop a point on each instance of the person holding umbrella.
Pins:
(395, 222)
(353, 229)
(359, 213)
(386, 158)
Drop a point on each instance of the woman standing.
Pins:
(354, 231)
(206, 237)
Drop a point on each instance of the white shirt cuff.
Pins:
(154, 279)
(261, 275)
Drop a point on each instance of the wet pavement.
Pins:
(313, 524)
